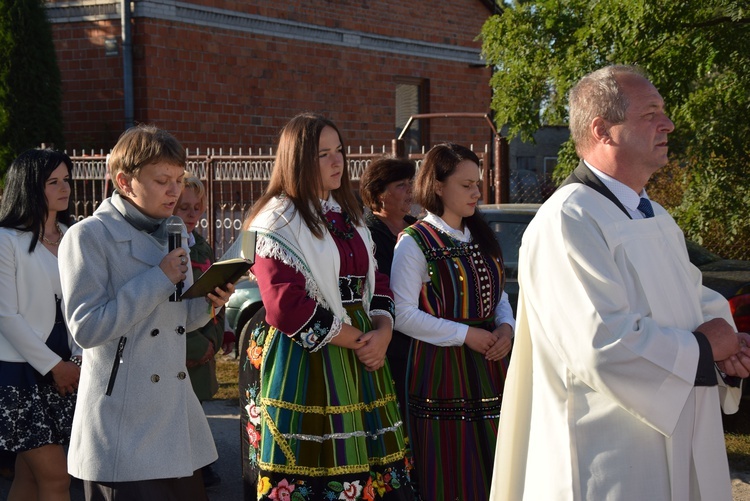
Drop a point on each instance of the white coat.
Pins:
(152, 425)
(27, 303)
(600, 401)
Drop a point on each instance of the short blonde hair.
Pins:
(143, 145)
(194, 183)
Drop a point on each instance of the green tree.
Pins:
(696, 53)
(30, 88)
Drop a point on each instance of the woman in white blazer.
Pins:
(139, 432)
(39, 362)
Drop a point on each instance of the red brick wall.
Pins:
(448, 22)
(92, 104)
(225, 88)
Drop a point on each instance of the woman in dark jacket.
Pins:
(201, 344)
(385, 188)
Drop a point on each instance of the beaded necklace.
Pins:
(345, 235)
(59, 239)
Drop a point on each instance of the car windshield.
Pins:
(509, 235)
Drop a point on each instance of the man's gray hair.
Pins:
(597, 94)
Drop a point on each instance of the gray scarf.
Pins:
(140, 221)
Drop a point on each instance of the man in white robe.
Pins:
(613, 392)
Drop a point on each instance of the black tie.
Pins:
(645, 207)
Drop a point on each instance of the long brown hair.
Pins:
(438, 165)
(296, 174)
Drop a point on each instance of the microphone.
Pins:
(174, 232)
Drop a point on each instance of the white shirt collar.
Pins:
(437, 222)
(625, 194)
(330, 205)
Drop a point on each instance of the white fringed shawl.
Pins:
(283, 235)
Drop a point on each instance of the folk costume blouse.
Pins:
(302, 297)
(409, 271)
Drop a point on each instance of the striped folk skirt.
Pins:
(454, 410)
(318, 425)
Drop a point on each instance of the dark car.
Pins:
(731, 278)
(509, 221)
(242, 305)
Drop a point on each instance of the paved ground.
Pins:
(740, 486)
(224, 418)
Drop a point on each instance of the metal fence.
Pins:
(233, 183)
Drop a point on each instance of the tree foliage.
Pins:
(696, 53)
(30, 88)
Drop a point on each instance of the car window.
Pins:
(509, 235)
(700, 256)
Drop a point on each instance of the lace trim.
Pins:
(382, 313)
(336, 327)
(306, 324)
(269, 246)
(383, 302)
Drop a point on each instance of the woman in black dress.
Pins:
(385, 188)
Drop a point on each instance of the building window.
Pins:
(411, 99)
(526, 163)
(549, 166)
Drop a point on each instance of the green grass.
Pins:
(737, 437)
(227, 372)
(738, 451)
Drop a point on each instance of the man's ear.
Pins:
(600, 129)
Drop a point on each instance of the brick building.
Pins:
(229, 73)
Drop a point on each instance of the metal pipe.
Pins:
(127, 63)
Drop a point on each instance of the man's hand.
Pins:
(724, 341)
(738, 365)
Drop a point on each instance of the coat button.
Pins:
(180, 330)
(155, 332)
(155, 378)
(181, 375)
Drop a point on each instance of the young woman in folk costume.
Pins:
(321, 414)
(447, 279)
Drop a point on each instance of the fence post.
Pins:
(502, 170)
(487, 192)
(398, 148)
(211, 213)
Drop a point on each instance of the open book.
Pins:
(233, 264)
